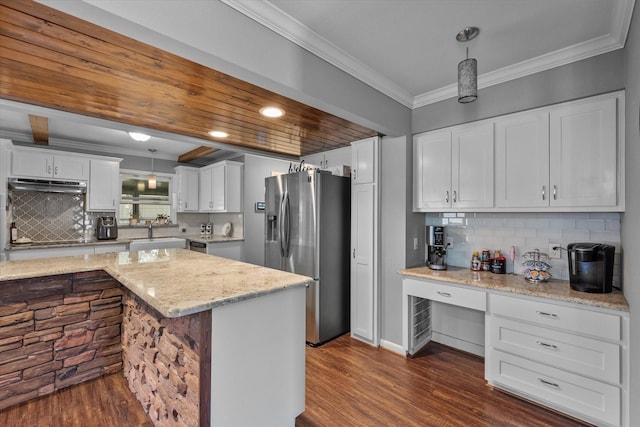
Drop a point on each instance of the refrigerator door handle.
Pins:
(287, 226)
(281, 226)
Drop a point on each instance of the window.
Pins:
(141, 202)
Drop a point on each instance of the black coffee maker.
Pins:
(590, 267)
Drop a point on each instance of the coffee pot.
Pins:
(436, 238)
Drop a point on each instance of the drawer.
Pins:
(455, 295)
(602, 325)
(559, 389)
(578, 354)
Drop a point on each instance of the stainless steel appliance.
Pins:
(307, 229)
(47, 185)
(436, 238)
(107, 228)
(591, 267)
(198, 246)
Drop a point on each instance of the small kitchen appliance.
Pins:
(590, 267)
(436, 238)
(107, 228)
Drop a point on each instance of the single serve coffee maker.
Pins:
(591, 267)
(436, 238)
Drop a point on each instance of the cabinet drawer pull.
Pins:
(446, 196)
(542, 313)
(549, 383)
(455, 196)
(555, 193)
(444, 294)
(543, 193)
(546, 345)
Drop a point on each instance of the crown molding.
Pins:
(285, 25)
(265, 13)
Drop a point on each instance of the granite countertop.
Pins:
(212, 239)
(553, 289)
(175, 282)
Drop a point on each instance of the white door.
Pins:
(205, 202)
(363, 154)
(522, 160)
(583, 153)
(432, 170)
(218, 188)
(31, 164)
(362, 277)
(472, 166)
(190, 190)
(70, 167)
(104, 185)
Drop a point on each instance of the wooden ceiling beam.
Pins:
(196, 154)
(39, 129)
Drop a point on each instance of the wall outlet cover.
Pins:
(554, 253)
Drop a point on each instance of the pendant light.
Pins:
(467, 69)
(152, 178)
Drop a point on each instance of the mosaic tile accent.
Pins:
(49, 217)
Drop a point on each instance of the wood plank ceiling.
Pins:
(55, 60)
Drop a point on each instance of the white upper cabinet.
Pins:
(584, 154)
(188, 188)
(453, 168)
(45, 164)
(363, 159)
(104, 186)
(522, 160)
(221, 187)
(563, 158)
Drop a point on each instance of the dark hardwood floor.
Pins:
(348, 384)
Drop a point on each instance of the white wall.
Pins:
(256, 169)
(631, 218)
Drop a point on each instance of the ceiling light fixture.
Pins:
(467, 69)
(151, 181)
(218, 134)
(140, 137)
(272, 112)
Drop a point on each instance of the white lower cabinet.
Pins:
(568, 358)
(573, 358)
(229, 250)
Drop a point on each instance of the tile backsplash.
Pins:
(49, 217)
(527, 232)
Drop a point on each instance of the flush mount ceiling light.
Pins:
(140, 137)
(151, 181)
(273, 112)
(467, 69)
(218, 134)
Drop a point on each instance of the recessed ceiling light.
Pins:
(273, 112)
(140, 137)
(218, 134)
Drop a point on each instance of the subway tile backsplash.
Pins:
(527, 232)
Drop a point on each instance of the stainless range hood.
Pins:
(47, 185)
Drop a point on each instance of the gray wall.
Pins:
(256, 169)
(631, 218)
(600, 74)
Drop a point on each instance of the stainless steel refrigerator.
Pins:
(307, 232)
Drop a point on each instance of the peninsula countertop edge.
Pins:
(174, 282)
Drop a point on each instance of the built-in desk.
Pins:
(545, 342)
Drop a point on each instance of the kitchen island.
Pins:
(204, 340)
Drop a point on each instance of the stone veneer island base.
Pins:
(202, 340)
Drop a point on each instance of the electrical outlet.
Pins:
(554, 253)
(415, 243)
(449, 241)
